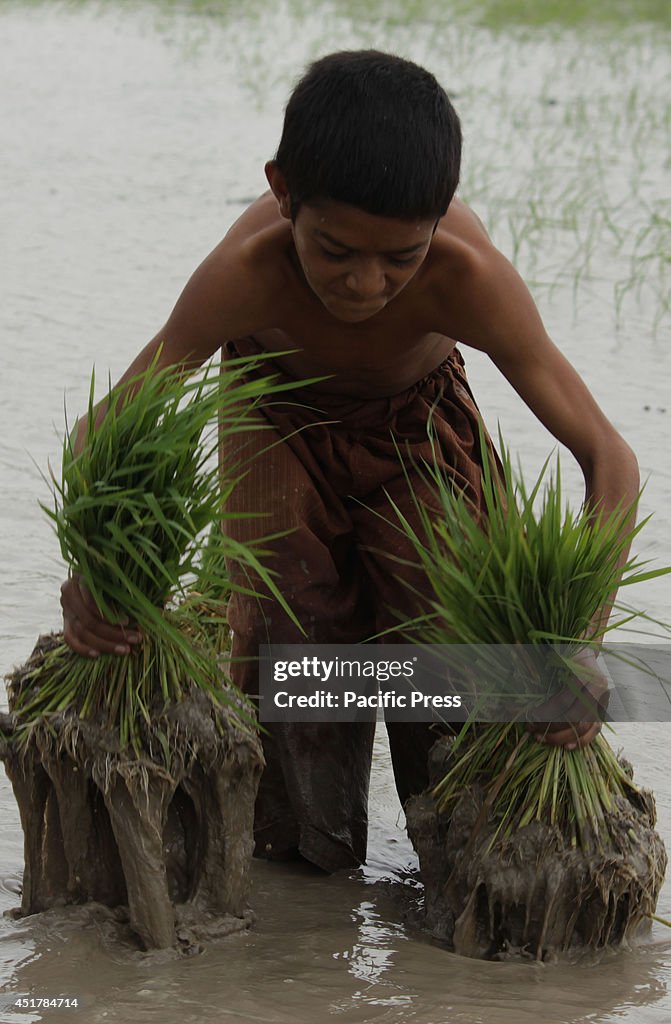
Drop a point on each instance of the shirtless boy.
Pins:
(360, 259)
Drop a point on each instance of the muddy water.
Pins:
(132, 136)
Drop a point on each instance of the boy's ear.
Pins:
(279, 188)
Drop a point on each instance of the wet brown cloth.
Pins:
(342, 571)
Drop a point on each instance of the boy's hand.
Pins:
(575, 718)
(85, 630)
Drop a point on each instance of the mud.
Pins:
(102, 825)
(533, 895)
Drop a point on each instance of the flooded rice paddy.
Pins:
(133, 134)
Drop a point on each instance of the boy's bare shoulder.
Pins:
(464, 261)
(239, 286)
(256, 221)
(255, 251)
(485, 301)
(461, 243)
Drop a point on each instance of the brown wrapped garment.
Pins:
(340, 573)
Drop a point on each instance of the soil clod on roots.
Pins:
(169, 836)
(533, 893)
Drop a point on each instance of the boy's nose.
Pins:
(367, 281)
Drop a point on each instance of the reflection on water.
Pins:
(372, 955)
(131, 134)
(309, 955)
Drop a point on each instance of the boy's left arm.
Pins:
(501, 319)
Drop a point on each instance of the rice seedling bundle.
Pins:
(527, 848)
(136, 775)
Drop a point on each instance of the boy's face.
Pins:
(355, 262)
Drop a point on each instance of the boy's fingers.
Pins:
(85, 631)
(569, 705)
(104, 631)
(78, 604)
(590, 703)
(593, 730)
(552, 733)
(81, 640)
(87, 599)
(556, 734)
(579, 735)
(92, 642)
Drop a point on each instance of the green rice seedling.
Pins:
(526, 848)
(532, 573)
(137, 493)
(502, 14)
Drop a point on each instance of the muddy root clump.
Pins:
(533, 894)
(167, 833)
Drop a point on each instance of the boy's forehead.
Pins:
(357, 229)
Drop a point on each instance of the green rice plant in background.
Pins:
(529, 572)
(503, 13)
(137, 494)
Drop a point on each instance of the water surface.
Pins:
(132, 136)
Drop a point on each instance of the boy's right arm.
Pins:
(211, 308)
(220, 301)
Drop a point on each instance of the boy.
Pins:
(363, 263)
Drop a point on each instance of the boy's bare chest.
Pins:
(366, 363)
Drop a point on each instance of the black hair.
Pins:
(373, 130)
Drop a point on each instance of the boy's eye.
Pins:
(334, 255)
(398, 262)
